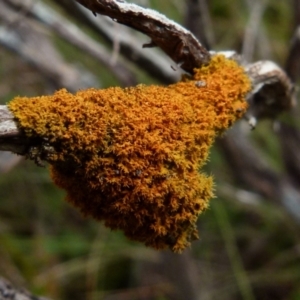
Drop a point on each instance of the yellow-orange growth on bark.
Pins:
(132, 157)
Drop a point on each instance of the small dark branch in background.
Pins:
(177, 42)
(292, 65)
(296, 10)
(289, 133)
(198, 21)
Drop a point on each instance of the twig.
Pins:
(177, 42)
(273, 92)
(151, 62)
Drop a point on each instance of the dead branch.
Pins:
(177, 42)
(272, 93)
(152, 62)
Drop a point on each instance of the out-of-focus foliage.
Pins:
(249, 247)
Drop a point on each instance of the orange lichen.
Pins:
(131, 157)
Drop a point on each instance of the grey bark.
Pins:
(11, 138)
(9, 292)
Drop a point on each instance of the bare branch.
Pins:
(152, 62)
(177, 42)
(272, 93)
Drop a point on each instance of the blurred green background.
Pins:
(249, 246)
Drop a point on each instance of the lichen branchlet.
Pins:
(132, 157)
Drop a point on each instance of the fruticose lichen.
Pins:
(132, 157)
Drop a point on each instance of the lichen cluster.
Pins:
(132, 157)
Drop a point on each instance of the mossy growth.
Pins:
(132, 157)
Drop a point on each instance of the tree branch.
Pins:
(130, 48)
(272, 93)
(177, 42)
